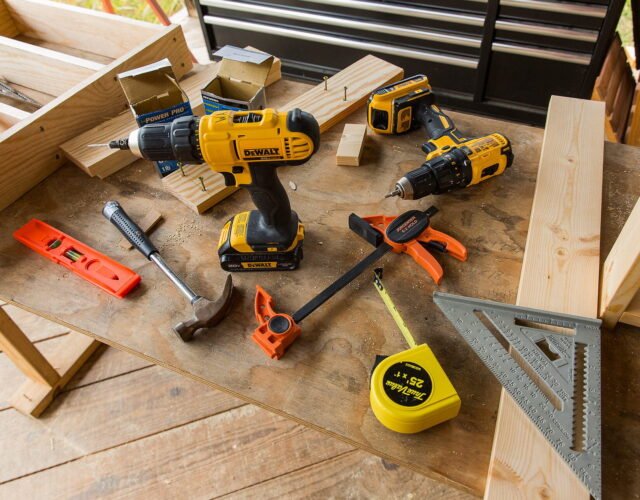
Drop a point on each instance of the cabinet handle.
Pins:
(580, 9)
(464, 62)
(387, 8)
(297, 15)
(552, 55)
(546, 30)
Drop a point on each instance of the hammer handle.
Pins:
(129, 229)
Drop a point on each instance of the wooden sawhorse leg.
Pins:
(45, 378)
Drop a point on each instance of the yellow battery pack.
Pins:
(410, 391)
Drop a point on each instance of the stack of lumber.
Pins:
(67, 58)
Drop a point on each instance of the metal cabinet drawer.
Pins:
(530, 76)
(409, 37)
(577, 14)
(546, 35)
(302, 47)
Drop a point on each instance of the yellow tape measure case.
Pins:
(410, 391)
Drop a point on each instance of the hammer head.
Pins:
(206, 313)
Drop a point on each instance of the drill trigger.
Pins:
(229, 179)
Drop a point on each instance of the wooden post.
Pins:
(44, 379)
(621, 272)
(24, 354)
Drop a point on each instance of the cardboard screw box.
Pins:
(239, 82)
(155, 97)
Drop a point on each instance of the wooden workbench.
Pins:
(323, 380)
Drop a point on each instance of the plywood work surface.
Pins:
(323, 380)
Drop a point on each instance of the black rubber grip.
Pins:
(129, 229)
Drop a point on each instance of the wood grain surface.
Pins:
(560, 273)
(43, 69)
(86, 29)
(323, 380)
(76, 110)
(346, 91)
(621, 272)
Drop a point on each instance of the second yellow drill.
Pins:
(453, 161)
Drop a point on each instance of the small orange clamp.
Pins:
(276, 331)
(400, 234)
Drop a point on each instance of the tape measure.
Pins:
(410, 391)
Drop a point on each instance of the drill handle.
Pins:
(269, 196)
(437, 125)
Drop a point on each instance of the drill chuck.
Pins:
(442, 174)
(177, 140)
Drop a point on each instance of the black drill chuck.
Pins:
(177, 140)
(442, 174)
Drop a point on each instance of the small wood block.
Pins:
(361, 78)
(147, 224)
(188, 188)
(33, 397)
(351, 144)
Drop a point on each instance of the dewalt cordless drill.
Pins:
(246, 147)
(453, 161)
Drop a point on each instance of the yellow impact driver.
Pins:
(410, 391)
(246, 147)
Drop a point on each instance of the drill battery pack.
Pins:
(247, 244)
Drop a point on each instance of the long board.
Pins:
(560, 273)
(32, 145)
(360, 79)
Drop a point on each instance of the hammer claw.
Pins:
(206, 313)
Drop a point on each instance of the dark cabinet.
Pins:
(504, 58)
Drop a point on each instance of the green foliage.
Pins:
(625, 26)
(137, 9)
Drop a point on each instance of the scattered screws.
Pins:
(345, 93)
(180, 164)
(201, 179)
(325, 78)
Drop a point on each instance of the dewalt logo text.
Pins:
(262, 152)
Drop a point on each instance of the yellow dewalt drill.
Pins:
(246, 147)
(453, 161)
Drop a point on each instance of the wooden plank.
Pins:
(361, 78)
(150, 220)
(632, 135)
(560, 273)
(9, 115)
(7, 25)
(105, 363)
(75, 111)
(102, 162)
(42, 69)
(351, 475)
(188, 188)
(351, 144)
(32, 398)
(24, 354)
(622, 104)
(207, 458)
(105, 415)
(35, 327)
(104, 34)
(632, 315)
(621, 272)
